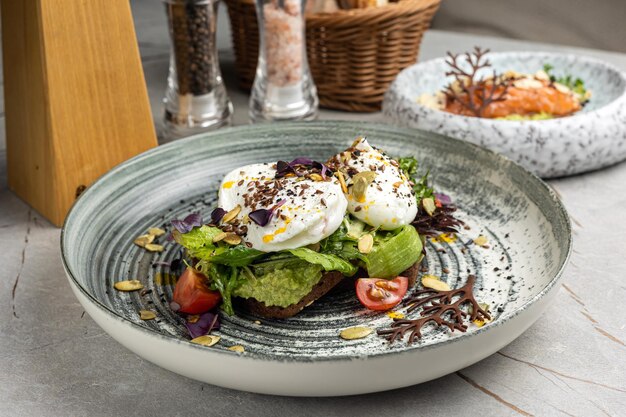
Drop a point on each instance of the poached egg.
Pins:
(306, 209)
(378, 192)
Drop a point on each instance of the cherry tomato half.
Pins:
(192, 294)
(381, 294)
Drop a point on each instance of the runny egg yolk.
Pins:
(269, 237)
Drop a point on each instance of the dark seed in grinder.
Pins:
(191, 27)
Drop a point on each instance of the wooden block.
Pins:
(75, 97)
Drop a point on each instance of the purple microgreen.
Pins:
(323, 169)
(283, 168)
(263, 216)
(194, 219)
(260, 216)
(278, 204)
(443, 198)
(214, 324)
(188, 223)
(217, 214)
(301, 161)
(180, 226)
(208, 321)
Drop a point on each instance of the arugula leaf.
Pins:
(420, 188)
(327, 261)
(408, 165)
(224, 279)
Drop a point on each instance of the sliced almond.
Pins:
(143, 240)
(397, 184)
(237, 348)
(433, 282)
(358, 332)
(153, 247)
(206, 340)
(357, 141)
(316, 177)
(156, 231)
(230, 216)
(127, 286)
(232, 238)
(219, 237)
(481, 240)
(342, 181)
(359, 188)
(429, 205)
(365, 243)
(147, 315)
(368, 176)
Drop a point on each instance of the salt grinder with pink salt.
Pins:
(283, 88)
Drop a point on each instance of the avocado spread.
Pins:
(282, 287)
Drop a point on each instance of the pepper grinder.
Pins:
(283, 88)
(196, 99)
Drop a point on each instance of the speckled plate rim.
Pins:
(575, 117)
(188, 141)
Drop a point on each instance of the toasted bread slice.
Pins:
(328, 282)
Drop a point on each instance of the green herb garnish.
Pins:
(576, 85)
(420, 184)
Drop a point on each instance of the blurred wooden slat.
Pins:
(75, 97)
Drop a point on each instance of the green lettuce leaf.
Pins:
(394, 252)
(239, 255)
(199, 244)
(327, 261)
(198, 241)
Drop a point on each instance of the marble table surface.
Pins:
(55, 361)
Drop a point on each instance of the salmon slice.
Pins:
(524, 102)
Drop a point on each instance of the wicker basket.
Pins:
(353, 54)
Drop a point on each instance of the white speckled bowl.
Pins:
(591, 139)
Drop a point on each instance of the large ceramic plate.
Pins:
(590, 139)
(527, 228)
